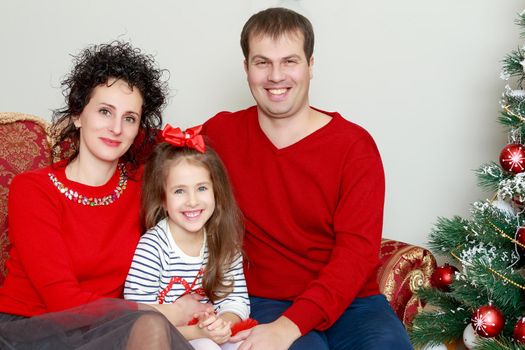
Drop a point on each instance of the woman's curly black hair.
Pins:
(94, 66)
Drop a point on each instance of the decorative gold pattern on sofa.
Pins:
(404, 269)
(25, 146)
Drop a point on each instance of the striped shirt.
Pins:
(158, 259)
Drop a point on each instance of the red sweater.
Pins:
(313, 213)
(65, 254)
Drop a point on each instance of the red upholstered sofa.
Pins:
(25, 145)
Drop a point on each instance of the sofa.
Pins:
(25, 145)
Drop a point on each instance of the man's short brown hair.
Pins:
(275, 22)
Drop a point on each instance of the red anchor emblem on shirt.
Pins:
(188, 289)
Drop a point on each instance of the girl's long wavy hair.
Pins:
(95, 66)
(224, 228)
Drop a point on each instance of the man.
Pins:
(311, 187)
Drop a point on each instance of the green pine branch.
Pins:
(489, 176)
(447, 234)
(439, 299)
(521, 22)
(438, 327)
(513, 108)
(501, 343)
(512, 66)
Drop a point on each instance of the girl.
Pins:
(194, 244)
(74, 225)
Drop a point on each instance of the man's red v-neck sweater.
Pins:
(313, 213)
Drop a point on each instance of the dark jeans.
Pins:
(368, 323)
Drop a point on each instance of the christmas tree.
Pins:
(480, 296)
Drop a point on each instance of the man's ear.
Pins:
(245, 66)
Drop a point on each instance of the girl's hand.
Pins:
(215, 327)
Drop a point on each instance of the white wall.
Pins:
(421, 76)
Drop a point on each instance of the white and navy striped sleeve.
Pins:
(143, 281)
(237, 301)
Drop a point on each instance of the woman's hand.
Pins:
(191, 305)
(183, 310)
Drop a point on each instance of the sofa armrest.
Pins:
(25, 145)
(404, 269)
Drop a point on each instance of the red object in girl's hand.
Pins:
(193, 321)
(243, 325)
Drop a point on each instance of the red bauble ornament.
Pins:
(488, 321)
(512, 158)
(443, 276)
(519, 331)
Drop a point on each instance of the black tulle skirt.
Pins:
(104, 324)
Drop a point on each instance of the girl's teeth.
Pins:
(192, 214)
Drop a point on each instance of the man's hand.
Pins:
(278, 335)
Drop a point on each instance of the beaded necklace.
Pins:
(93, 201)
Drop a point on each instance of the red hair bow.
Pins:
(190, 138)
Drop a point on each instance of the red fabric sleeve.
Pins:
(34, 228)
(358, 227)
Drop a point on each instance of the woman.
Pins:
(74, 225)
